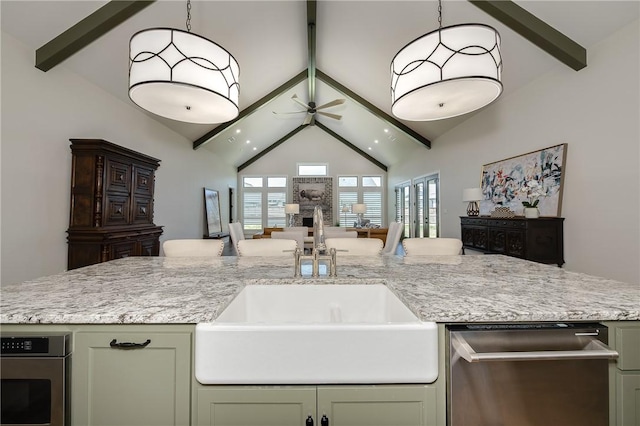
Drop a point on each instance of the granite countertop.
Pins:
(158, 290)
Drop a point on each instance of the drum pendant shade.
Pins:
(448, 72)
(183, 76)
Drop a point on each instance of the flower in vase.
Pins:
(533, 191)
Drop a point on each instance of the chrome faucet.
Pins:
(318, 230)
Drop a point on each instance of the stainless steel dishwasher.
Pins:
(528, 374)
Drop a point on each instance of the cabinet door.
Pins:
(129, 387)
(410, 405)
(515, 243)
(628, 398)
(255, 406)
(116, 210)
(143, 181)
(142, 210)
(497, 240)
(118, 176)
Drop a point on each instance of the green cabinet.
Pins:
(115, 384)
(342, 405)
(381, 405)
(255, 406)
(624, 401)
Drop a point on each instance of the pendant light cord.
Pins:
(439, 14)
(189, 16)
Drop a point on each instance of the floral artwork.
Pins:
(533, 178)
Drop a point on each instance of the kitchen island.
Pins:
(444, 289)
(162, 299)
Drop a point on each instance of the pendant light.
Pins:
(448, 72)
(183, 76)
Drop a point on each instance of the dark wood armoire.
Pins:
(111, 203)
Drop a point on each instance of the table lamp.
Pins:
(291, 210)
(472, 195)
(345, 210)
(360, 210)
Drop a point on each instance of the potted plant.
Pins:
(532, 190)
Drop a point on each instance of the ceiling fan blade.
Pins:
(297, 100)
(328, 114)
(332, 103)
(287, 113)
(307, 119)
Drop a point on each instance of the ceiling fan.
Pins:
(311, 109)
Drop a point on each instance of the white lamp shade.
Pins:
(446, 73)
(359, 208)
(472, 194)
(292, 208)
(183, 76)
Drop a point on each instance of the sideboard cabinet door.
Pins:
(111, 203)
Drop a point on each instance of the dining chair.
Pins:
(431, 246)
(236, 232)
(193, 248)
(355, 246)
(340, 234)
(298, 236)
(266, 247)
(335, 228)
(303, 229)
(393, 238)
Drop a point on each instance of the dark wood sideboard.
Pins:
(111, 203)
(539, 240)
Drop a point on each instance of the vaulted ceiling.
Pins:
(355, 42)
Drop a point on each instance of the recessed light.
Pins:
(238, 130)
(254, 148)
(248, 141)
(369, 148)
(376, 141)
(386, 130)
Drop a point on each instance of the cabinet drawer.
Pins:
(629, 348)
(118, 176)
(473, 221)
(150, 247)
(125, 249)
(507, 223)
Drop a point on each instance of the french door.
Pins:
(425, 210)
(403, 207)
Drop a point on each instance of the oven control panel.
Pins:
(35, 344)
(24, 345)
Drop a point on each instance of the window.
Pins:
(313, 169)
(263, 200)
(360, 189)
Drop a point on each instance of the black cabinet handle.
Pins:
(128, 345)
(324, 421)
(309, 421)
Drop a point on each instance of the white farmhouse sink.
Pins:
(315, 334)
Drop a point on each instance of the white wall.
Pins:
(40, 113)
(596, 112)
(314, 145)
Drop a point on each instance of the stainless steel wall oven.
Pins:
(35, 378)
